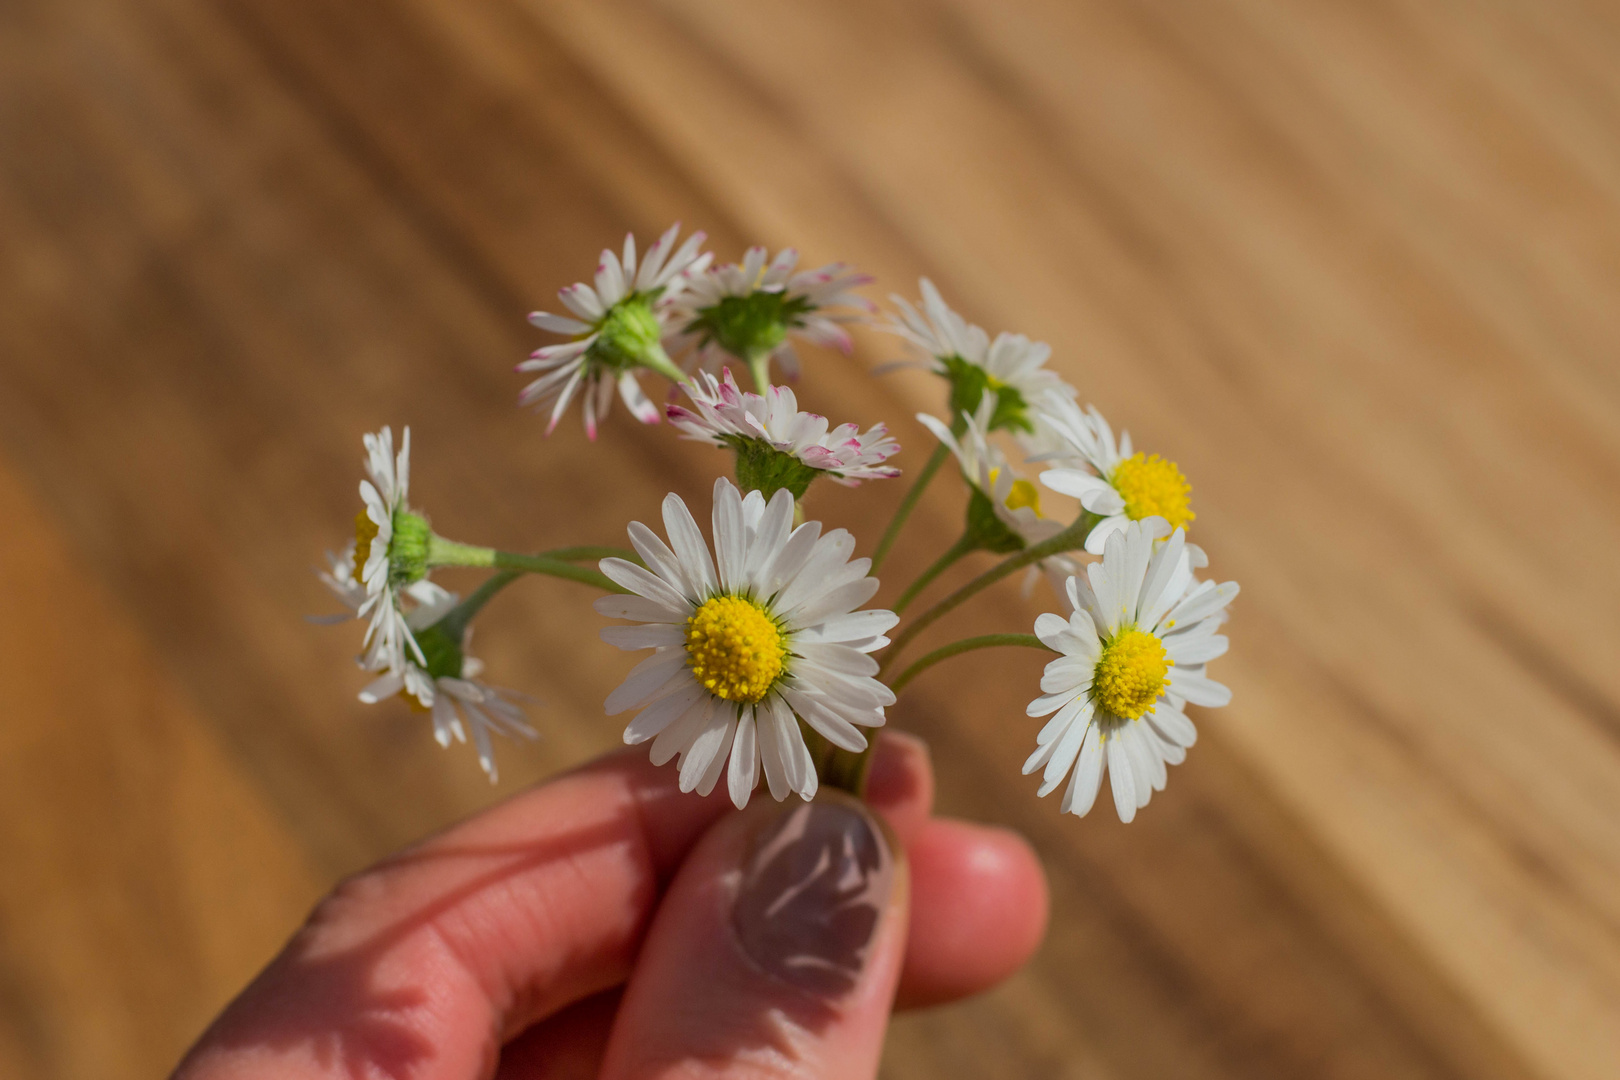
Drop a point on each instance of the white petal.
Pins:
(1172, 725)
(1200, 689)
(652, 720)
(826, 720)
(642, 582)
(647, 636)
(639, 608)
(730, 535)
(382, 689)
(854, 629)
(1196, 649)
(689, 545)
(661, 560)
(675, 738)
(744, 773)
(1068, 748)
(1122, 778)
(1082, 792)
(647, 680)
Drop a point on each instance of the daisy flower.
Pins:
(1012, 366)
(386, 543)
(748, 310)
(1134, 653)
(746, 644)
(617, 329)
(1107, 478)
(444, 684)
(777, 445)
(1014, 502)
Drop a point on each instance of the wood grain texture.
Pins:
(1353, 266)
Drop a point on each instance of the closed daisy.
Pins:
(617, 328)
(1107, 478)
(746, 644)
(1011, 366)
(776, 444)
(1134, 653)
(748, 311)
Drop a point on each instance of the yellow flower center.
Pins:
(1130, 674)
(1153, 486)
(1022, 493)
(735, 648)
(365, 531)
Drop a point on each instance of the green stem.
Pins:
(909, 503)
(455, 623)
(956, 551)
(759, 365)
(591, 553)
(1068, 540)
(658, 360)
(986, 641)
(543, 564)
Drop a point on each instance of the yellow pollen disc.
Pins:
(1153, 486)
(1024, 493)
(734, 648)
(365, 531)
(1130, 674)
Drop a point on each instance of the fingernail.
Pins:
(816, 879)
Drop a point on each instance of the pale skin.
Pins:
(573, 932)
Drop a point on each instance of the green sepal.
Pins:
(763, 468)
(986, 531)
(630, 336)
(442, 650)
(753, 325)
(968, 384)
(408, 550)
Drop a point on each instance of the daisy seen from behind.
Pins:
(617, 328)
(749, 311)
(776, 444)
(1011, 365)
(1133, 656)
(746, 643)
(1109, 480)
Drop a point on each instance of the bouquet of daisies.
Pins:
(765, 662)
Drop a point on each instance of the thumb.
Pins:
(775, 952)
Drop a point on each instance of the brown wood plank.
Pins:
(146, 875)
(1349, 266)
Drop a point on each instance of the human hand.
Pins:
(604, 924)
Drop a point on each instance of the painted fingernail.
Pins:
(815, 882)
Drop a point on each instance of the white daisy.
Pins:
(1120, 486)
(1134, 652)
(384, 493)
(769, 433)
(1015, 501)
(446, 687)
(618, 328)
(1011, 365)
(746, 644)
(748, 311)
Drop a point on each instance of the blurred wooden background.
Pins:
(1353, 265)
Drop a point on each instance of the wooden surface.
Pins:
(1354, 266)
